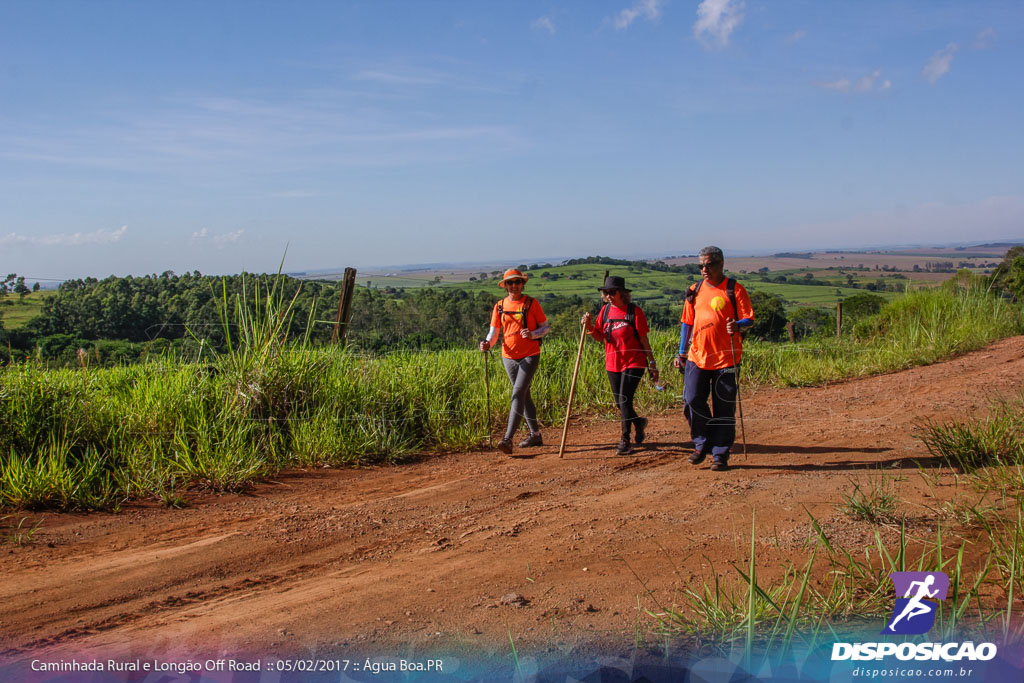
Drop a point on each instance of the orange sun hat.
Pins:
(512, 274)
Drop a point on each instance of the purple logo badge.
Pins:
(917, 599)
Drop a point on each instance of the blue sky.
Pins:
(138, 137)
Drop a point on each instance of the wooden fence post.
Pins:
(839, 319)
(792, 332)
(348, 286)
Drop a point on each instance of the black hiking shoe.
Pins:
(697, 457)
(641, 430)
(624, 448)
(505, 446)
(534, 439)
(720, 465)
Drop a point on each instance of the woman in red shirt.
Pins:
(622, 326)
(523, 323)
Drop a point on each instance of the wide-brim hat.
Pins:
(512, 274)
(614, 282)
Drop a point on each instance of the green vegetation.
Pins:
(836, 592)
(90, 437)
(877, 504)
(996, 439)
(16, 312)
(919, 328)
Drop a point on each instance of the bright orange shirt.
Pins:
(710, 348)
(510, 321)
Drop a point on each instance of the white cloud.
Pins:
(938, 65)
(203, 236)
(867, 83)
(543, 24)
(795, 37)
(984, 38)
(64, 239)
(400, 78)
(862, 84)
(648, 9)
(716, 20)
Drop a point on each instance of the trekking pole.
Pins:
(739, 403)
(487, 385)
(572, 389)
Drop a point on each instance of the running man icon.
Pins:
(921, 591)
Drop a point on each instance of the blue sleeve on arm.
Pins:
(684, 336)
(744, 322)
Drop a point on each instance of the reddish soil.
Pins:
(460, 550)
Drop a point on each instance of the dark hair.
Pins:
(627, 296)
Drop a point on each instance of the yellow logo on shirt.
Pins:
(718, 303)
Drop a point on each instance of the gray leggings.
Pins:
(520, 373)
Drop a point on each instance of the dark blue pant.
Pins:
(624, 386)
(713, 430)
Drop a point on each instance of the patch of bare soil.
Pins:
(461, 550)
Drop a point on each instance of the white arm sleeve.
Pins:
(491, 334)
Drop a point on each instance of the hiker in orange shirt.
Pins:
(522, 323)
(622, 326)
(716, 309)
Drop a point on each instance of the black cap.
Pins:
(614, 282)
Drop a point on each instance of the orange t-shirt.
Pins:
(510, 320)
(710, 348)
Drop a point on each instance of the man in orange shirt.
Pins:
(716, 308)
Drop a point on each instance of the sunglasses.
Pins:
(515, 282)
(709, 264)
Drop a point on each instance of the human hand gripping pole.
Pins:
(572, 386)
(736, 369)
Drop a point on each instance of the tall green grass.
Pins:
(836, 591)
(995, 439)
(93, 437)
(919, 328)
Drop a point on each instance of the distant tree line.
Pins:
(119, 319)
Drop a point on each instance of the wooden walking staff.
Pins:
(572, 389)
(487, 386)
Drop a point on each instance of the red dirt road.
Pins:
(459, 551)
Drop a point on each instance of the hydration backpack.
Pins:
(524, 312)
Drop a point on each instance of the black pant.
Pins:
(624, 386)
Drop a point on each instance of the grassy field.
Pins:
(16, 312)
(91, 438)
(659, 287)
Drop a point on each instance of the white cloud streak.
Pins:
(716, 20)
(938, 65)
(795, 37)
(75, 239)
(203, 237)
(647, 9)
(985, 38)
(543, 24)
(860, 85)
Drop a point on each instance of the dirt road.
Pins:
(462, 550)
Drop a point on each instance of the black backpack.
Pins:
(524, 312)
(730, 288)
(630, 318)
